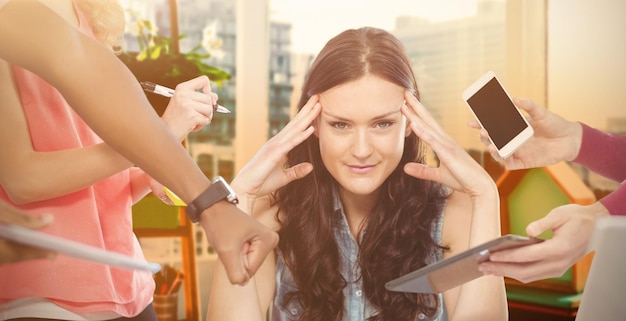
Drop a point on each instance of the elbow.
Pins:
(22, 193)
(18, 197)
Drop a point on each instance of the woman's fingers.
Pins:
(422, 114)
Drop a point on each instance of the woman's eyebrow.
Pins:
(325, 112)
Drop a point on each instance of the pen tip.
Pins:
(147, 85)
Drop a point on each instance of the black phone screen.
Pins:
(497, 113)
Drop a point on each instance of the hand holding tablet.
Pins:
(456, 270)
(60, 245)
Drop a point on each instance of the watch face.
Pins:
(230, 196)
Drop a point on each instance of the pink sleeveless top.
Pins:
(99, 215)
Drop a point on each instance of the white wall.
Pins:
(587, 59)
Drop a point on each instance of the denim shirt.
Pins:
(357, 307)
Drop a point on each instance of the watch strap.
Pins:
(213, 194)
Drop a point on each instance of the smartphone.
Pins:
(456, 270)
(494, 110)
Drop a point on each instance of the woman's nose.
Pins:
(362, 146)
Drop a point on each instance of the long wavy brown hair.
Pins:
(397, 236)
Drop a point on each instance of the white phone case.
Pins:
(495, 111)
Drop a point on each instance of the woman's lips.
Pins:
(361, 169)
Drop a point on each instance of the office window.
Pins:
(226, 169)
(450, 43)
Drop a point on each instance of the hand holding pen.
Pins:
(169, 92)
(191, 106)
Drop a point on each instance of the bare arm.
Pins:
(81, 67)
(251, 301)
(28, 176)
(37, 39)
(264, 174)
(482, 298)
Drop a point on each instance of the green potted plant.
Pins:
(157, 62)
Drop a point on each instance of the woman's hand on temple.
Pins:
(266, 172)
(457, 169)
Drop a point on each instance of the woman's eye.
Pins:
(384, 124)
(339, 125)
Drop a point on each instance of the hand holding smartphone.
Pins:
(495, 112)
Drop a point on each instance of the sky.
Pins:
(315, 22)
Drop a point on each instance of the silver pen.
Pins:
(169, 92)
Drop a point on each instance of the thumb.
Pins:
(420, 171)
(529, 106)
(234, 265)
(298, 171)
(203, 83)
(523, 103)
(549, 221)
(473, 124)
(258, 250)
(198, 83)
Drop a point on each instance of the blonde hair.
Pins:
(106, 19)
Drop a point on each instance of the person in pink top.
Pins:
(51, 161)
(557, 139)
(37, 38)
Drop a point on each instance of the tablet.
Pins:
(456, 270)
(60, 245)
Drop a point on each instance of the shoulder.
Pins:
(64, 8)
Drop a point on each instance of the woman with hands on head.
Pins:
(346, 186)
(82, 69)
(557, 139)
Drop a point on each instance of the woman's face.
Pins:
(361, 133)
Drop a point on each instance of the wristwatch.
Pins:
(219, 190)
